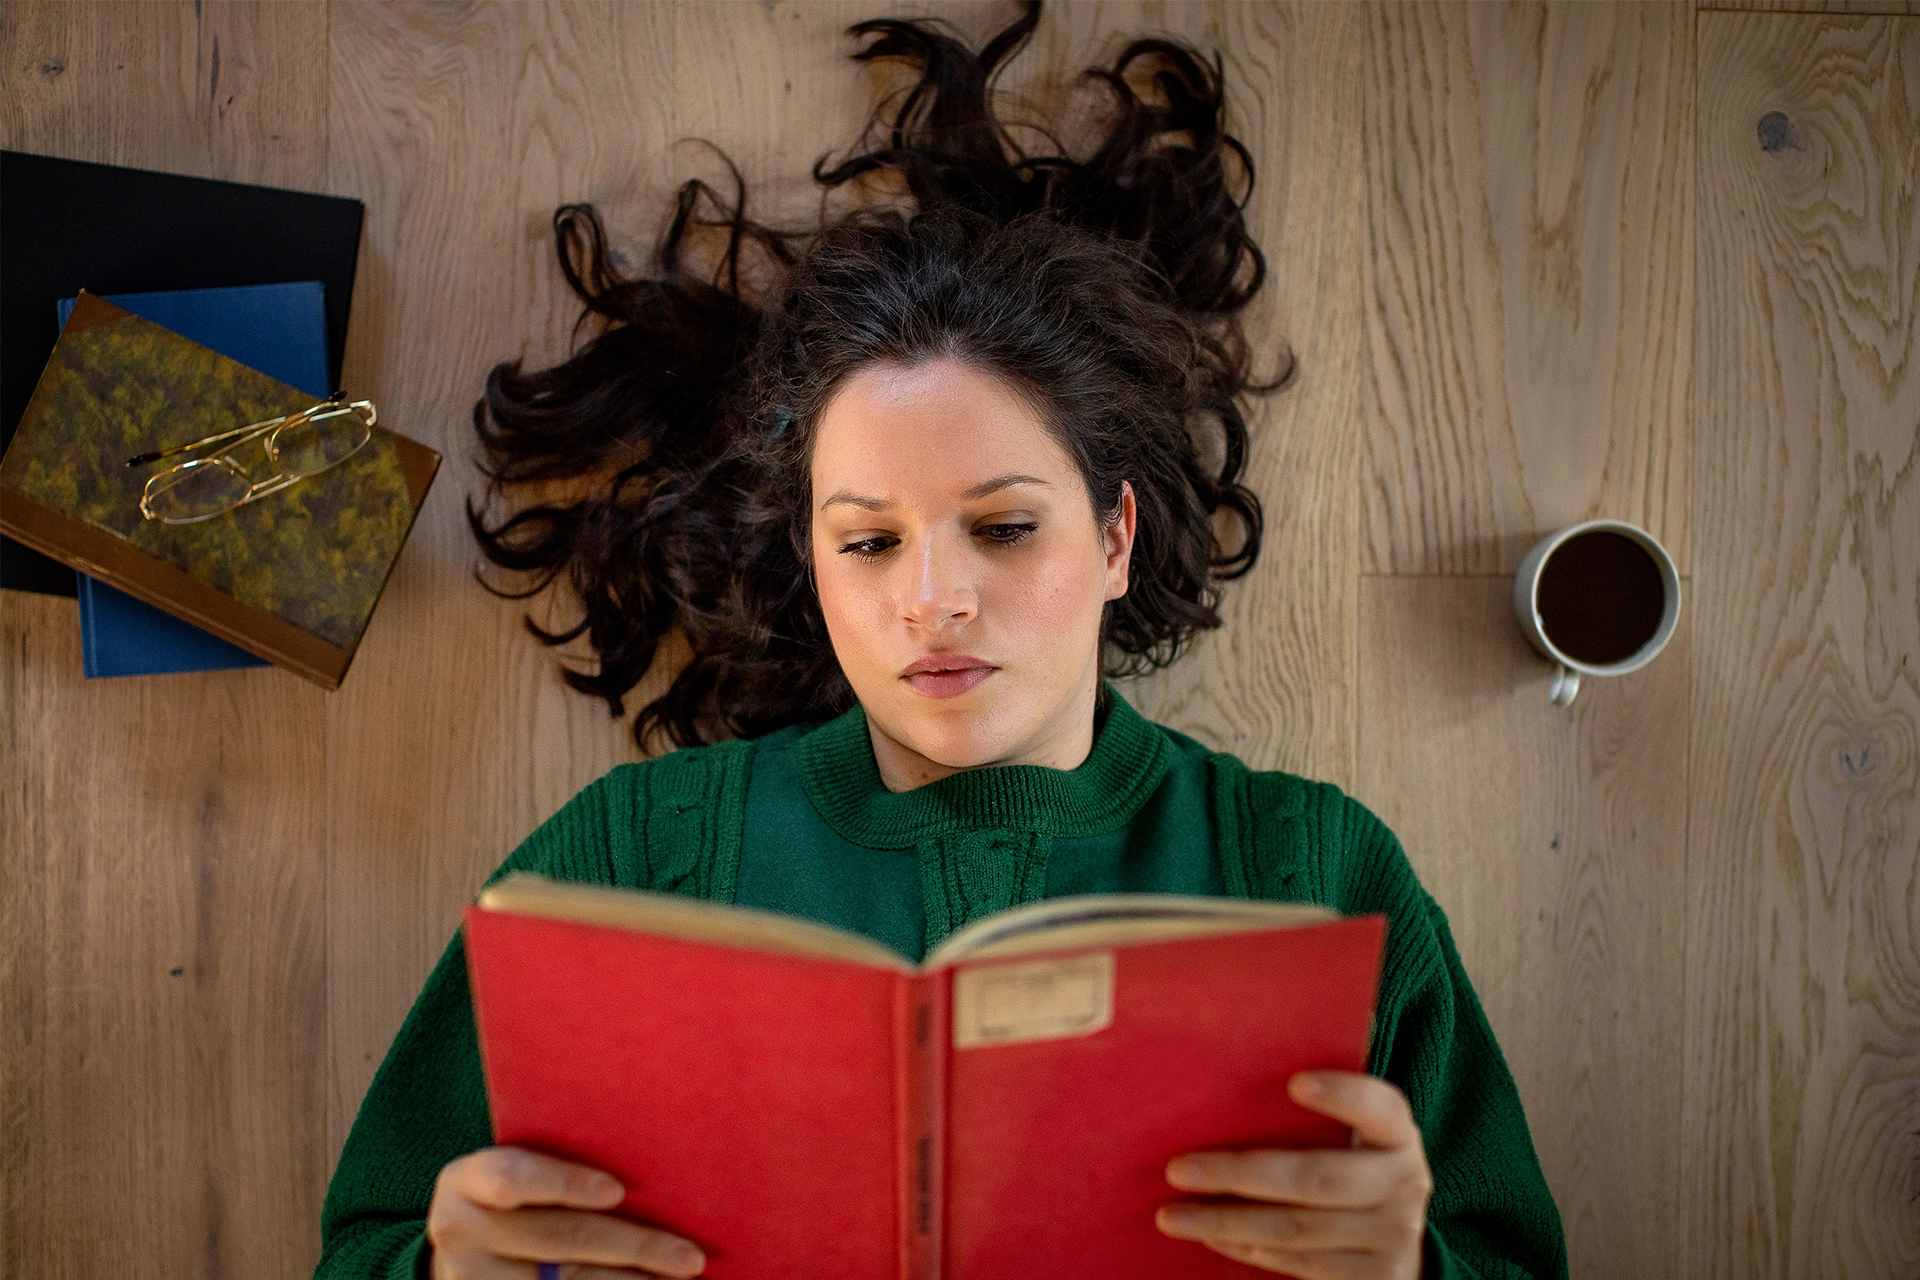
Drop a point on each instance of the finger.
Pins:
(489, 1267)
(570, 1235)
(1377, 1110)
(1276, 1226)
(509, 1177)
(451, 1264)
(1303, 1266)
(1322, 1179)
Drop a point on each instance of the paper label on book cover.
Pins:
(1032, 1000)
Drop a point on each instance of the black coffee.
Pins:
(1600, 597)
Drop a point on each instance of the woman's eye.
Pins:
(1007, 534)
(869, 548)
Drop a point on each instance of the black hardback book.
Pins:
(66, 225)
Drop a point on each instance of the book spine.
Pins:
(919, 1093)
(89, 633)
(117, 563)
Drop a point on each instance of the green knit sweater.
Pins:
(799, 821)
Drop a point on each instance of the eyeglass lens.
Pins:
(324, 440)
(196, 490)
(211, 486)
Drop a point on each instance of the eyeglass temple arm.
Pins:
(144, 458)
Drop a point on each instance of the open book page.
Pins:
(676, 917)
(1115, 920)
(1059, 924)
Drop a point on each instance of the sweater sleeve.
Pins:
(1491, 1214)
(427, 1104)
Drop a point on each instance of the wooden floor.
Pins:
(1537, 267)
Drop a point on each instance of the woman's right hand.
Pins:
(503, 1211)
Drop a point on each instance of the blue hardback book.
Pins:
(279, 329)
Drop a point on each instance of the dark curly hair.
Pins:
(1107, 290)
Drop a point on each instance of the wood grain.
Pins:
(1555, 839)
(1274, 684)
(771, 87)
(163, 965)
(1528, 271)
(1895, 8)
(162, 925)
(463, 128)
(1485, 249)
(1801, 1123)
(218, 90)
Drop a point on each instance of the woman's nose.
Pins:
(940, 592)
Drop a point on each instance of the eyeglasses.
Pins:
(298, 446)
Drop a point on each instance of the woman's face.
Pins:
(961, 570)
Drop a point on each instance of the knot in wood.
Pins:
(1776, 132)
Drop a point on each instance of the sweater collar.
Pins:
(1129, 757)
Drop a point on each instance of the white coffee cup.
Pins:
(1600, 602)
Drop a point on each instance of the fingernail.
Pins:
(689, 1259)
(1173, 1220)
(1309, 1085)
(606, 1187)
(1182, 1172)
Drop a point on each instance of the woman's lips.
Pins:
(946, 677)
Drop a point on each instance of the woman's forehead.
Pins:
(940, 428)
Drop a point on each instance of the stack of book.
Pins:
(234, 297)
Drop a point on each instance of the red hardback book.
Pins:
(800, 1101)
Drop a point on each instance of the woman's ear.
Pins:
(1117, 540)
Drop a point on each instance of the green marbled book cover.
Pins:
(315, 555)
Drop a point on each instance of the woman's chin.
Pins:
(954, 747)
(951, 734)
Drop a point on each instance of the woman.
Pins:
(907, 502)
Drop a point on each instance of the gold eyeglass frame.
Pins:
(332, 406)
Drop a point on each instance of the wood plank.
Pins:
(1275, 684)
(161, 920)
(1801, 1124)
(1893, 8)
(217, 90)
(1529, 265)
(773, 88)
(1555, 841)
(463, 128)
(163, 964)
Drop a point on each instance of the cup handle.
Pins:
(1565, 684)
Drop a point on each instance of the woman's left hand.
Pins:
(1318, 1215)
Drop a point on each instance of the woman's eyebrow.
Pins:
(998, 483)
(845, 499)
